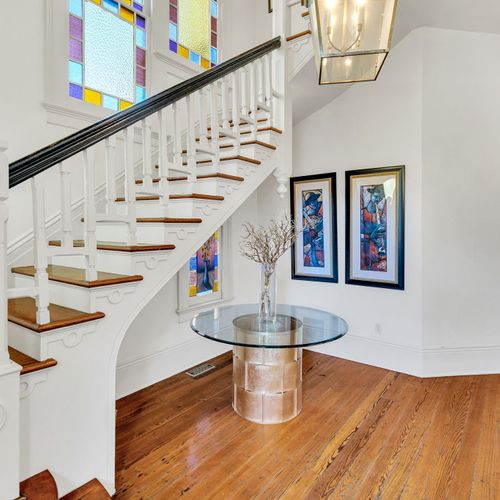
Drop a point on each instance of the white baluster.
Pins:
(130, 199)
(163, 164)
(191, 144)
(268, 81)
(261, 97)
(40, 252)
(202, 117)
(225, 110)
(244, 92)
(214, 125)
(90, 214)
(177, 145)
(253, 101)
(147, 167)
(67, 224)
(4, 215)
(236, 111)
(110, 163)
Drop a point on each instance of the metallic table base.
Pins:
(267, 384)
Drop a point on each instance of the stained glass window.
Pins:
(193, 30)
(107, 52)
(204, 268)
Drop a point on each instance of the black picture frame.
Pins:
(332, 179)
(399, 171)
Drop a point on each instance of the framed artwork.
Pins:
(204, 280)
(375, 227)
(313, 200)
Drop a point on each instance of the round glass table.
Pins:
(267, 355)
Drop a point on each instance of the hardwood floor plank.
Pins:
(364, 432)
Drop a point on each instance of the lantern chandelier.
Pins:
(351, 38)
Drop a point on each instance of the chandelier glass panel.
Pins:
(351, 38)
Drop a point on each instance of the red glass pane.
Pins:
(75, 27)
(214, 39)
(173, 2)
(75, 50)
(173, 14)
(140, 76)
(140, 57)
(214, 24)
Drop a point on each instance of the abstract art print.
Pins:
(314, 211)
(204, 268)
(375, 227)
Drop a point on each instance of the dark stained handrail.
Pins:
(36, 163)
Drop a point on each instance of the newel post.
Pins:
(9, 372)
(282, 102)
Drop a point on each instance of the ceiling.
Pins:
(467, 15)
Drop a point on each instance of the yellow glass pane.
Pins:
(205, 63)
(98, 2)
(183, 52)
(192, 291)
(194, 26)
(92, 96)
(128, 15)
(216, 287)
(127, 2)
(125, 104)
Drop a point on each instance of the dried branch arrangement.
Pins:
(265, 245)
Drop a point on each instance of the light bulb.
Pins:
(348, 61)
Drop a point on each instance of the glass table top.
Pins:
(295, 326)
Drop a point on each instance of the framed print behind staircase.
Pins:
(375, 227)
(314, 210)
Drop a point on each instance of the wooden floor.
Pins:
(364, 432)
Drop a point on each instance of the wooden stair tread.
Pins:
(93, 490)
(22, 312)
(29, 364)
(298, 35)
(41, 486)
(119, 246)
(305, 13)
(242, 124)
(194, 196)
(230, 158)
(75, 276)
(170, 220)
(245, 132)
(217, 175)
(251, 143)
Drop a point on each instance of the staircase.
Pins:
(158, 179)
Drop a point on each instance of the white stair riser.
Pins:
(76, 297)
(214, 186)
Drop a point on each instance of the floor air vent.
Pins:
(200, 370)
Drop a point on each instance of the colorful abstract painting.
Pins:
(204, 268)
(312, 220)
(373, 228)
(314, 210)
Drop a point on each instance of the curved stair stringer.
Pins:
(73, 413)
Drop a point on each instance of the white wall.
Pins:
(461, 203)
(435, 109)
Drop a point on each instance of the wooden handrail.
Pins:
(36, 163)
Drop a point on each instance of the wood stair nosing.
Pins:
(41, 486)
(252, 143)
(93, 490)
(230, 158)
(193, 196)
(169, 220)
(29, 364)
(246, 132)
(217, 175)
(119, 247)
(298, 35)
(76, 276)
(22, 312)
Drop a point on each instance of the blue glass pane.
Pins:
(109, 53)
(75, 72)
(192, 263)
(213, 9)
(216, 261)
(110, 5)
(194, 57)
(140, 38)
(172, 31)
(110, 102)
(75, 7)
(140, 93)
(213, 55)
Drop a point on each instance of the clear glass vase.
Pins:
(267, 298)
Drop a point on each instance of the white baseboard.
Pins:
(144, 371)
(422, 363)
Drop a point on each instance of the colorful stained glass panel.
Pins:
(193, 22)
